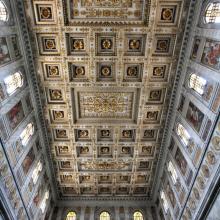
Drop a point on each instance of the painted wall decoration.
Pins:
(194, 116)
(15, 115)
(3, 133)
(171, 195)
(2, 94)
(195, 48)
(216, 103)
(4, 51)
(181, 161)
(28, 161)
(211, 54)
(38, 196)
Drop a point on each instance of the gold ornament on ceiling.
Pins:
(56, 94)
(132, 71)
(106, 71)
(50, 44)
(78, 44)
(53, 71)
(106, 44)
(45, 12)
(105, 103)
(104, 165)
(167, 14)
(80, 71)
(134, 44)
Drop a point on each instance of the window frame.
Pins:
(106, 217)
(6, 10)
(202, 22)
(24, 143)
(193, 82)
(184, 140)
(71, 217)
(138, 217)
(13, 77)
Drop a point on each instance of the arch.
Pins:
(138, 216)
(3, 11)
(13, 82)
(71, 215)
(197, 83)
(212, 13)
(183, 134)
(104, 216)
(27, 133)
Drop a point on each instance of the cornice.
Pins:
(174, 99)
(34, 89)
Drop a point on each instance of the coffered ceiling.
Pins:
(106, 69)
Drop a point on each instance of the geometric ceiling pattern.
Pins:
(106, 70)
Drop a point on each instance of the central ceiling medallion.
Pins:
(106, 104)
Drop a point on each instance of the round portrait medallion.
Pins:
(216, 142)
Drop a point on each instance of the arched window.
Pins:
(172, 170)
(197, 83)
(13, 82)
(212, 13)
(71, 216)
(36, 172)
(104, 216)
(183, 134)
(27, 133)
(138, 216)
(3, 11)
(165, 202)
(44, 201)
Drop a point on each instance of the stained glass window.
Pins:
(36, 172)
(27, 133)
(13, 82)
(172, 170)
(197, 83)
(104, 216)
(212, 14)
(183, 134)
(138, 216)
(44, 201)
(3, 12)
(71, 216)
(165, 202)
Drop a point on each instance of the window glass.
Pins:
(197, 83)
(164, 199)
(27, 133)
(172, 170)
(138, 216)
(36, 172)
(71, 216)
(13, 82)
(104, 216)
(3, 11)
(44, 201)
(212, 14)
(183, 134)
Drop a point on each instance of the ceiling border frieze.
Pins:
(33, 82)
(174, 99)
